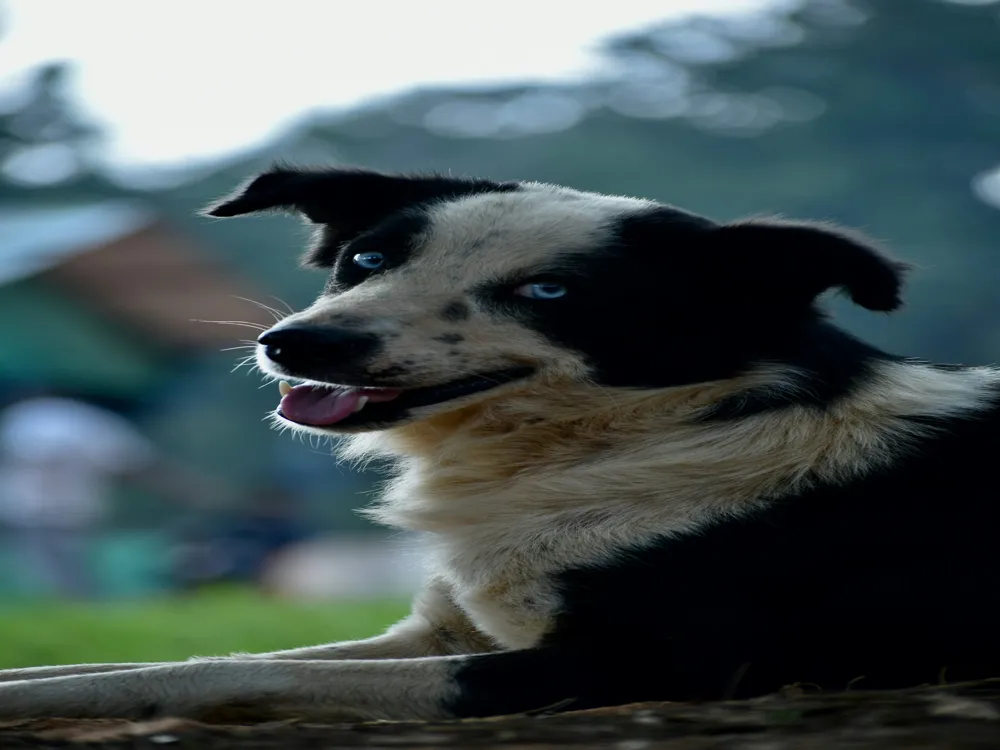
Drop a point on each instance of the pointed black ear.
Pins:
(346, 201)
(278, 189)
(795, 262)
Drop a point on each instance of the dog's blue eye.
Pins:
(370, 261)
(541, 290)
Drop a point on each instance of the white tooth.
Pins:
(284, 387)
(361, 403)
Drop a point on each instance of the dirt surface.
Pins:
(962, 716)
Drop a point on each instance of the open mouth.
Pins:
(350, 406)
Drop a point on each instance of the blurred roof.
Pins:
(33, 238)
(124, 261)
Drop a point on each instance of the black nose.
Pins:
(301, 348)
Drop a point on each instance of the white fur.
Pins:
(241, 689)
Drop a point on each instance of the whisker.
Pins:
(243, 323)
(276, 314)
(291, 310)
(249, 360)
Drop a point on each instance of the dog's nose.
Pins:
(302, 347)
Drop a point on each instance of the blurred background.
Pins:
(147, 511)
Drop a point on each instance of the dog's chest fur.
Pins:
(507, 505)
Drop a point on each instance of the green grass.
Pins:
(174, 629)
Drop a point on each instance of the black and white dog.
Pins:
(645, 463)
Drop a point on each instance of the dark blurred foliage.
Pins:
(884, 115)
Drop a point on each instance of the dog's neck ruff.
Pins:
(646, 454)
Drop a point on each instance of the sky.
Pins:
(187, 80)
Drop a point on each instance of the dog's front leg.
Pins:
(41, 673)
(394, 689)
(436, 627)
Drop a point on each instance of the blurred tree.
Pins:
(44, 116)
(883, 114)
(47, 146)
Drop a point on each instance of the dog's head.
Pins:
(445, 293)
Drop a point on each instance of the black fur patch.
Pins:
(783, 263)
(455, 312)
(388, 373)
(450, 338)
(828, 364)
(674, 299)
(396, 238)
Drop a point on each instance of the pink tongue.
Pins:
(310, 405)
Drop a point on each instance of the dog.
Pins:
(645, 462)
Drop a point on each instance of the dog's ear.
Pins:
(275, 190)
(785, 263)
(345, 201)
